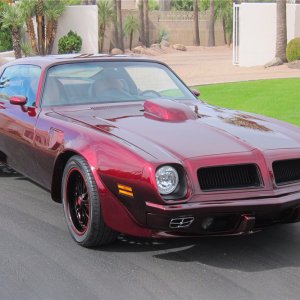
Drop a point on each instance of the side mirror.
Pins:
(18, 100)
(196, 93)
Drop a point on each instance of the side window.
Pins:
(20, 80)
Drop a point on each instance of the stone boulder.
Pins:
(155, 46)
(139, 50)
(165, 43)
(294, 64)
(116, 51)
(179, 47)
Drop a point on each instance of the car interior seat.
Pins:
(54, 93)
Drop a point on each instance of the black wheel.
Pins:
(82, 205)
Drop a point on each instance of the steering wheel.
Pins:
(144, 93)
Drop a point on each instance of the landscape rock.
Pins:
(165, 43)
(139, 50)
(179, 47)
(116, 51)
(294, 64)
(155, 46)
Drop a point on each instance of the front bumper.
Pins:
(239, 216)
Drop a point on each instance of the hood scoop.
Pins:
(168, 110)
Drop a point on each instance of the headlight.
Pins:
(167, 180)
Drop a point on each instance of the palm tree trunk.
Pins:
(141, 21)
(146, 21)
(16, 39)
(120, 26)
(281, 31)
(40, 26)
(48, 35)
(31, 33)
(196, 23)
(102, 36)
(52, 36)
(211, 25)
(224, 30)
(130, 40)
(115, 41)
(164, 5)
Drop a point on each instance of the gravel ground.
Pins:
(203, 65)
(294, 64)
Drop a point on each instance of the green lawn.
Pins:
(277, 98)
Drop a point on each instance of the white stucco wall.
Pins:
(258, 31)
(84, 21)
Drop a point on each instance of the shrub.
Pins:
(293, 50)
(153, 5)
(182, 5)
(5, 35)
(70, 43)
(5, 40)
(163, 35)
(26, 49)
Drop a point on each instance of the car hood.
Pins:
(187, 129)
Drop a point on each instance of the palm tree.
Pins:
(53, 10)
(146, 23)
(5, 34)
(141, 21)
(12, 19)
(120, 26)
(281, 31)
(211, 25)
(281, 35)
(27, 8)
(196, 23)
(130, 27)
(105, 16)
(115, 22)
(224, 11)
(40, 20)
(164, 5)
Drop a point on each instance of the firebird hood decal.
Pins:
(215, 131)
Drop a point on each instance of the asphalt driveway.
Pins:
(39, 260)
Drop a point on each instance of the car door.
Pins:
(17, 123)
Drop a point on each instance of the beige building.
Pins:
(255, 32)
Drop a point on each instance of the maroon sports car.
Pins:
(127, 147)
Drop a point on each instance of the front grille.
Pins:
(286, 171)
(229, 177)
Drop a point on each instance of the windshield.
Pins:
(103, 82)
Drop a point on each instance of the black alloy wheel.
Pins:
(82, 206)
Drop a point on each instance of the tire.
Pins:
(82, 205)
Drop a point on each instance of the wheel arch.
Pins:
(3, 157)
(58, 170)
